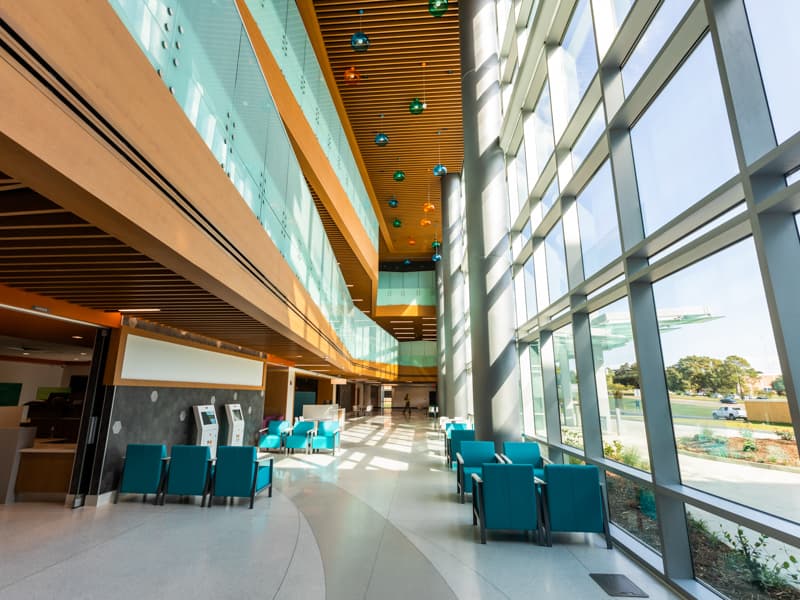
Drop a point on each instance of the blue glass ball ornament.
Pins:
(381, 139)
(359, 41)
(407, 262)
(393, 202)
(436, 257)
(440, 170)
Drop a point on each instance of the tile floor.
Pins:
(379, 520)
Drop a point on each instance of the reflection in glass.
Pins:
(569, 407)
(697, 144)
(774, 28)
(739, 562)
(657, 33)
(556, 258)
(633, 508)
(597, 221)
(729, 409)
(537, 390)
(539, 135)
(618, 392)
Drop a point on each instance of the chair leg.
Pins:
(144, 499)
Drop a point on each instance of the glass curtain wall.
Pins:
(663, 194)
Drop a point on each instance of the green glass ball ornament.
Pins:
(416, 107)
(437, 7)
(399, 176)
(397, 223)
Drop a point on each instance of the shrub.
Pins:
(765, 570)
(748, 443)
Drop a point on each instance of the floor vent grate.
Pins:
(618, 585)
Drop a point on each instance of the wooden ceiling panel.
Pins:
(403, 35)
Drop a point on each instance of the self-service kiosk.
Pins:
(205, 422)
(233, 425)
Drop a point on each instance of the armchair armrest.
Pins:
(263, 429)
(546, 461)
(505, 459)
(498, 458)
(460, 459)
(476, 479)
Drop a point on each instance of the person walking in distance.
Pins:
(407, 408)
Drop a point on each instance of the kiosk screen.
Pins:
(208, 418)
(237, 414)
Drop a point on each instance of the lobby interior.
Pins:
(572, 223)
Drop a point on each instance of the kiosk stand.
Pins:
(234, 425)
(205, 421)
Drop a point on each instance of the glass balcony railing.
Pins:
(203, 54)
(414, 288)
(418, 354)
(282, 27)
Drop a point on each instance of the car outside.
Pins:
(730, 412)
(729, 399)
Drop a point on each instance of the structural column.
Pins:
(495, 368)
(442, 331)
(454, 324)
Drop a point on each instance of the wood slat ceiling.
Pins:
(402, 35)
(48, 250)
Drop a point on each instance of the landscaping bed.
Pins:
(765, 451)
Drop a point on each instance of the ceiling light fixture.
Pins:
(352, 76)
(140, 310)
(77, 337)
(437, 7)
(359, 41)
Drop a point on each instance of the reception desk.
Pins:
(44, 472)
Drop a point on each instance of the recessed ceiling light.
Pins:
(428, 318)
(358, 299)
(141, 310)
(349, 284)
(26, 354)
(401, 321)
(83, 353)
(77, 337)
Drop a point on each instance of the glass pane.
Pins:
(774, 28)
(556, 262)
(539, 135)
(569, 407)
(633, 508)
(608, 18)
(588, 137)
(550, 196)
(575, 62)
(657, 33)
(723, 376)
(537, 389)
(597, 221)
(739, 562)
(697, 144)
(617, 376)
(530, 289)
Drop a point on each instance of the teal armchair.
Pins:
(327, 437)
(272, 437)
(470, 459)
(525, 453)
(505, 498)
(574, 501)
(299, 438)
(453, 444)
(143, 470)
(189, 472)
(240, 474)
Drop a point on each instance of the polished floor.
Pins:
(380, 520)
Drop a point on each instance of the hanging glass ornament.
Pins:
(359, 41)
(381, 139)
(412, 242)
(397, 223)
(352, 76)
(424, 222)
(407, 262)
(416, 107)
(436, 257)
(428, 207)
(436, 244)
(393, 202)
(440, 170)
(437, 7)
(399, 176)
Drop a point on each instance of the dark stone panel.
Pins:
(163, 415)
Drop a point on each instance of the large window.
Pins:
(618, 395)
(588, 137)
(550, 196)
(537, 390)
(724, 380)
(774, 27)
(556, 258)
(574, 63)
(539, 135)
(597, 220)
(682, 144)
(569, 406)
(658, 31)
